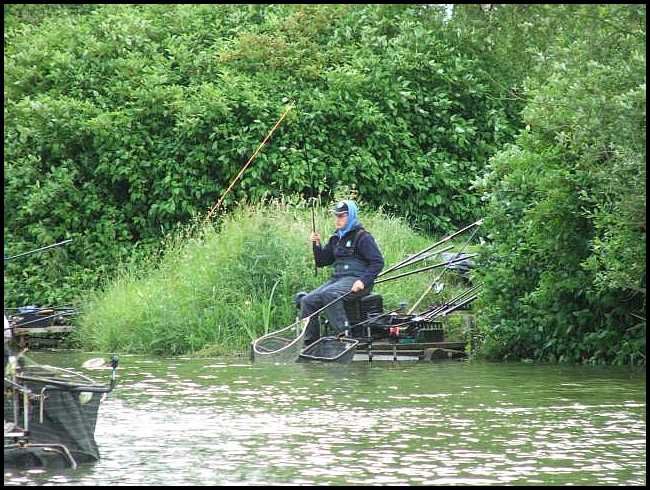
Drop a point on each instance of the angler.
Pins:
(357, 261)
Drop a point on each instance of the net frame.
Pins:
(277, 347)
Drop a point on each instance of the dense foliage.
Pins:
(126, 121)
(123, 122)
(565, 263)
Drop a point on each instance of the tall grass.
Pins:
(215, 290)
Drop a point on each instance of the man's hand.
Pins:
(357, 286)
(315, 238)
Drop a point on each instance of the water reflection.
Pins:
(228, 422)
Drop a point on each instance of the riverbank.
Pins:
(215, 291)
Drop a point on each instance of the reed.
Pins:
(213, 291)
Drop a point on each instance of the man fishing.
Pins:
(357, 262)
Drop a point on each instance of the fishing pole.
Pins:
(433, 310)
(38, 249)
(372, 319)
(443, 309)
(454, 261)
(446, 239)
(424, 257)
(243, 169)
(311, 192)
(453, 307)
(426, 291)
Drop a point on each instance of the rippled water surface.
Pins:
(226, 421)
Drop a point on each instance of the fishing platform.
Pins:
(422, 351)
(385, 336)
(373, 334)
(35, 327)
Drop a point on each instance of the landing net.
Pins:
(281, 346)
(50, 414)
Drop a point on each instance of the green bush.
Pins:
(125, 121)
(565, 262)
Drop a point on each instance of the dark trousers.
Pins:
(319, 297)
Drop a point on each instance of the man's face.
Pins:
(340, 220)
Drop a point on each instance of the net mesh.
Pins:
(330, 349)
(50, 415)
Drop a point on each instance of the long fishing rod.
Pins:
(311, 191)
(462, 295)
(423, 257)
(433, 310)
(243, 169)
(426, 291)
(38, 249)
(443, 312)
(445, 308)
(372, 319)
(446, 239)
(454, 307)
(425, 269)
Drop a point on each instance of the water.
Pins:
(227, 422)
